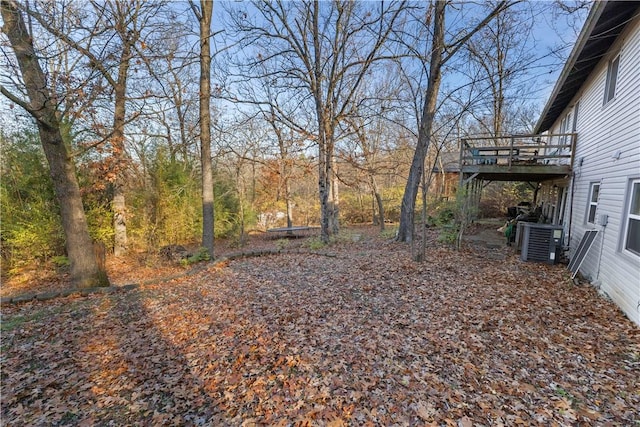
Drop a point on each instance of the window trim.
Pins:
(629, 216)
(611, 80)
(591, 203)
(564, 126)
(576, 110)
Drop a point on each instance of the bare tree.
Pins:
(285, 141)
(241, 151)
(368, 135)
(441, 52)
(289, 137)
(182, 116)
(204, 15)
(325, 50)
(42, 106)
(504, 64)
(371, 129)
(110, 44)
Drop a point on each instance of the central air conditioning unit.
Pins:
(541, 242)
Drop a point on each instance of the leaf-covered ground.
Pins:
(356, 334)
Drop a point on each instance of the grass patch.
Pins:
(343, 236)
(568, 396)
(448, 233)
(17, 321)
(10, 323)
(201, 255)
(389, 233)
(316, 243)
(282, 244)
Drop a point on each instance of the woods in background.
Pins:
(310, 113)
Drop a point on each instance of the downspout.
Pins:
(600, 255)
(574, 138)
(573, 185)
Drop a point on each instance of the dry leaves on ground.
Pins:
(361, 337)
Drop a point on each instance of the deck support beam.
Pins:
(469, 179)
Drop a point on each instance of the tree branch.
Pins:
(452, 48)
(13, 98)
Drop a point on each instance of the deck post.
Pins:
(510, 151)
(466, 181)
(574, 136)
(463, 142)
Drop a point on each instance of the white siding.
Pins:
(602, 132)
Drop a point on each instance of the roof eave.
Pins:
(590, 23)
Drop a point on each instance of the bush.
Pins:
(315, 243)
(389, 233)
(449, 217)
(448, 233)
(498, 196)
(30, 228)
(201, 255)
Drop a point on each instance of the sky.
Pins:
(547, 33)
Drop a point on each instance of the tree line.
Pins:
(154, 122)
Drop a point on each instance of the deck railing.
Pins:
(551, 149)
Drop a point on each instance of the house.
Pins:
(597, 99)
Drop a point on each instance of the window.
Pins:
(563, 129)
(612, 77)
(632, 237)
(593, 203)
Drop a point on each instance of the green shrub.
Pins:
(315, 243)
(201, 255)
(30, 228)
(61, 262)
(450, 217)
(448, 233)
(100, 221)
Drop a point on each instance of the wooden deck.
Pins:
(531, 158)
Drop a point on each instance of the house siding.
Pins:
(604, 130)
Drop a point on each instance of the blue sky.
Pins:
(547, 33)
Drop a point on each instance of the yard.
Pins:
(350, 334)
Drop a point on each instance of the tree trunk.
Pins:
(407, 209)
(422, 255)
(325, 148)
(118, 151)
(378, 198)
(324, 185)
(334, 197)
(287, 198)
(325, 175)
(240, 191)
(206, 8)
(42, 106)
(284, 171)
